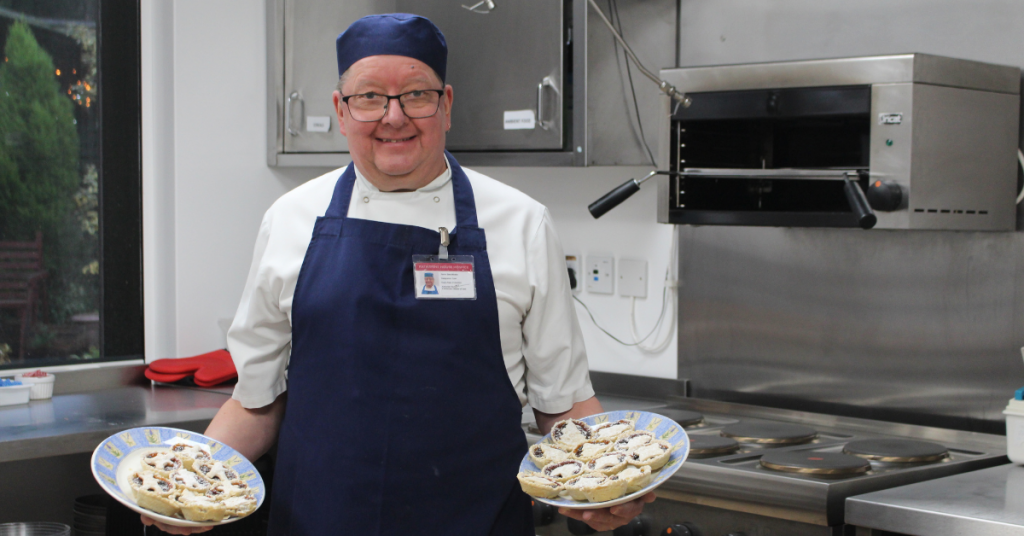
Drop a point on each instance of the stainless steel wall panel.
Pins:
(749, 31)
(614, 136)
(922, 327)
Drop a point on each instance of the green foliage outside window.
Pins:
(43, 187)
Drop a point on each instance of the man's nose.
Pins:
(394, 115)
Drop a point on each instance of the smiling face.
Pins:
(395, 153)
(429, 281)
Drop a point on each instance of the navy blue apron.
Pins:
(401, 418)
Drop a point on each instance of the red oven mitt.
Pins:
(164, 378)
(211, 368)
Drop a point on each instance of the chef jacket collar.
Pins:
(434, 185)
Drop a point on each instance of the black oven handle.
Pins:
(866, 218)
(613, 198)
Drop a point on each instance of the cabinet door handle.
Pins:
(288, 112)
(482, 7)
(548, 82)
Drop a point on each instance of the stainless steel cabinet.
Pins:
(512, 60)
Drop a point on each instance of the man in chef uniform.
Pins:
(402, 413)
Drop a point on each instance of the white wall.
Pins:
(206, 186)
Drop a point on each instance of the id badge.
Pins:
(453, 278)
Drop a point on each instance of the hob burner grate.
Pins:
(815, 463)
(708, 445)
(897, 450)
(683, 417)
(770, 433)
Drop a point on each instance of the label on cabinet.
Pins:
(520, 120)
(318, 123)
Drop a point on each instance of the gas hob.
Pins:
(762, 471)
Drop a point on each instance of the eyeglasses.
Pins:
(418, 104)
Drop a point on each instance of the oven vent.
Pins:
(949, 211)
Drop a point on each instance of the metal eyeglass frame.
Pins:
(440, 93)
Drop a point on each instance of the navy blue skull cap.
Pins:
(393, 34)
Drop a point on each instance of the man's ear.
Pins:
(339, 110)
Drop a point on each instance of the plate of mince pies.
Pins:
(603, 460)
(177, 477)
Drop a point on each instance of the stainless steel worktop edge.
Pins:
(988, 501)
(76, 423)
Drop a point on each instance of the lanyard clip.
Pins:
(442, 252)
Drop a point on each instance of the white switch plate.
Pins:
(600, 274)
(573, 262)
(633, 278)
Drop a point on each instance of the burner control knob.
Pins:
(681, 529)
(639, 526)
(543, 514)
(578, 527)
(886, 196)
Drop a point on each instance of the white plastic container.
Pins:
(41, 387)
(14, 394)
(1015, 431)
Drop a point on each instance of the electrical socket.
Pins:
(600, 274)
(572, 264)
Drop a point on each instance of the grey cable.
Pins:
(613, 6)
(657, 325)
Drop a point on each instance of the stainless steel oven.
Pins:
(929, 142)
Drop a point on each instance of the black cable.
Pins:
(613, 8)
(657, 326)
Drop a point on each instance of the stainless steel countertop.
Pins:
(989, 501)
(75, 423)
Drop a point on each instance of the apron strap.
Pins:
(465, 202)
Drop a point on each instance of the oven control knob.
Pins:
(578, 527)
(886, 196)
(639, 526)
(543, 514)
(681, 529)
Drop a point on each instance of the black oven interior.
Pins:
(775, 131)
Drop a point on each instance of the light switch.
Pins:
(633, 278)
(600, 274)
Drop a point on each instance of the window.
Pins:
(70, 227)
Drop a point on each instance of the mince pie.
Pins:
(612, 430)
(655, 454)
(609, 463)
(608, 489)
(564, 470)
(544, 453)
(538, 485)
(588, 450)
(574, 487)
(570, 432)
(637, 478)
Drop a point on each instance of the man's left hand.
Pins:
(602, 519)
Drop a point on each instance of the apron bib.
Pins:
(401, 418)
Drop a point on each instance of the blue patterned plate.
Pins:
(662, 427)
(120, 455)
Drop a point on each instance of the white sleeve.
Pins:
(260, 336)
(557, 375)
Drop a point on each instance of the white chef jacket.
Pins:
(541, 342)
